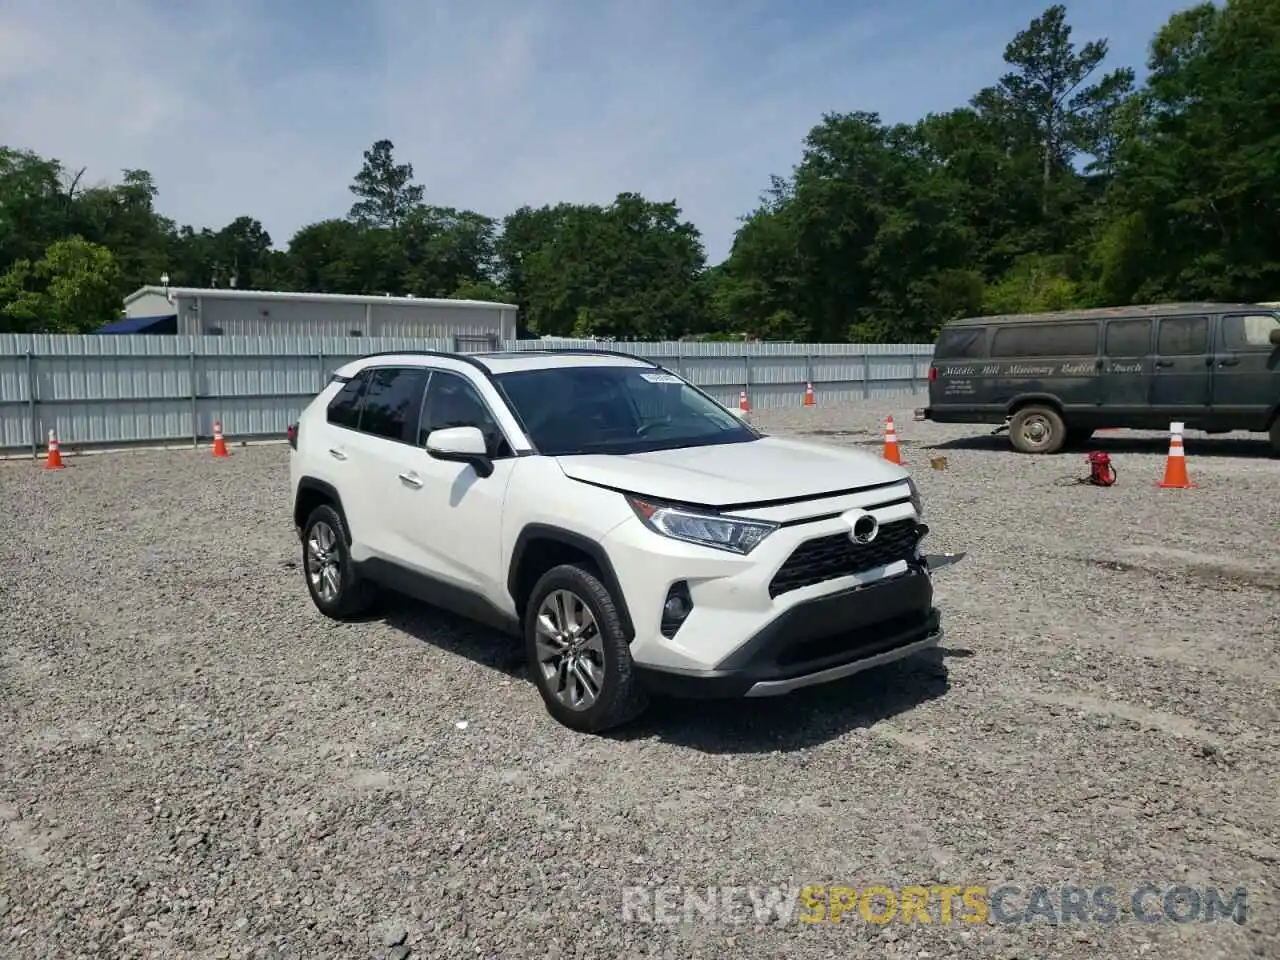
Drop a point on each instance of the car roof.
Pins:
(1109, 313)
(503, 361)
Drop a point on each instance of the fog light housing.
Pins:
(676, 608)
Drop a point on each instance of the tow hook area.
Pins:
(936, 561)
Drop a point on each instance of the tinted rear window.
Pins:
(961, 343)
(344, 408)
(1183, 336)
(1046, 340)
(1129, 338)
(392, 403)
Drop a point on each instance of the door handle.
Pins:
(1164, 363)
(1229, 362)
(337, 454)
(410, 479)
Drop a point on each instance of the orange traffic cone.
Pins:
(219, 444)
(54, 459)
(1175, 468)
(743, 403)
(891, 442)
(808, 395)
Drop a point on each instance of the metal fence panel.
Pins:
(125, 390)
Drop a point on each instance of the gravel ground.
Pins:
(197, 764)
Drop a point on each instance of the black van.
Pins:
(1057, 377)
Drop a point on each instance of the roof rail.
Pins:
(587, 351)
(465, 358)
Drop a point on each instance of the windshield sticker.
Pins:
(660, 377)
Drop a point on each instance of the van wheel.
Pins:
(1037, 430)
(1275, 436)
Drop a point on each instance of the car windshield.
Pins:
(616, 409)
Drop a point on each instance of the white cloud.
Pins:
(238, 108)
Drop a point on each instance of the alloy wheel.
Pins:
(570, 649)
(323, 562)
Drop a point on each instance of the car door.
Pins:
(1246, 373)
(338, 459)
(1180, 380)
(449, 518)
(386, 434)
(1126, 370)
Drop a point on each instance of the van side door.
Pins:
(1246, 371)
(1180, 382)
(1127, 369)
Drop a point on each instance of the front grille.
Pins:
(826, 558)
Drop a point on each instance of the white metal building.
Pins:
(230, 312)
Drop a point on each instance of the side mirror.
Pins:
(461, 445)
(1275, 336)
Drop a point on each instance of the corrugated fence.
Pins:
(99, 391)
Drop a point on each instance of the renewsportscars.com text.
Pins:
(936, 904)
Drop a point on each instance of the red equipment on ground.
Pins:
(1101, 472)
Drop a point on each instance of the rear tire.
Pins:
(335, 587)
(1275, 436)
(1037, 429)
(578, 652)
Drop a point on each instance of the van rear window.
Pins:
(1046, 340)
(961, 343)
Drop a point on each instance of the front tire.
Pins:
(335, 588)
(1275, 436)
(1037, 429)
(578, 651)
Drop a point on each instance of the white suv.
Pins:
(635, 533)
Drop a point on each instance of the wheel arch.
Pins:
(1024, 400)
(541, 546)
(312, 493)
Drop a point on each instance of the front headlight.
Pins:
(917, 504)
(733, 534)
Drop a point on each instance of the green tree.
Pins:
(1197, 194)
(237, 255)
(867, 240)
(445, 248)
(73, 288)
(629, 270)
(1047, 94)
(386, 189)
(34, 204)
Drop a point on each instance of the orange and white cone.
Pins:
(891, 442)
(219, 444)
(743, 403)
(808, 395)
(53, 461)
(1175, 469)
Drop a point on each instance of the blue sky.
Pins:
(263, 107)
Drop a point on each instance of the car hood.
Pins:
(738, 474)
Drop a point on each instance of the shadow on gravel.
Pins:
(802, 719)
(805, 718)
(1196, 446)
(454, 634)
